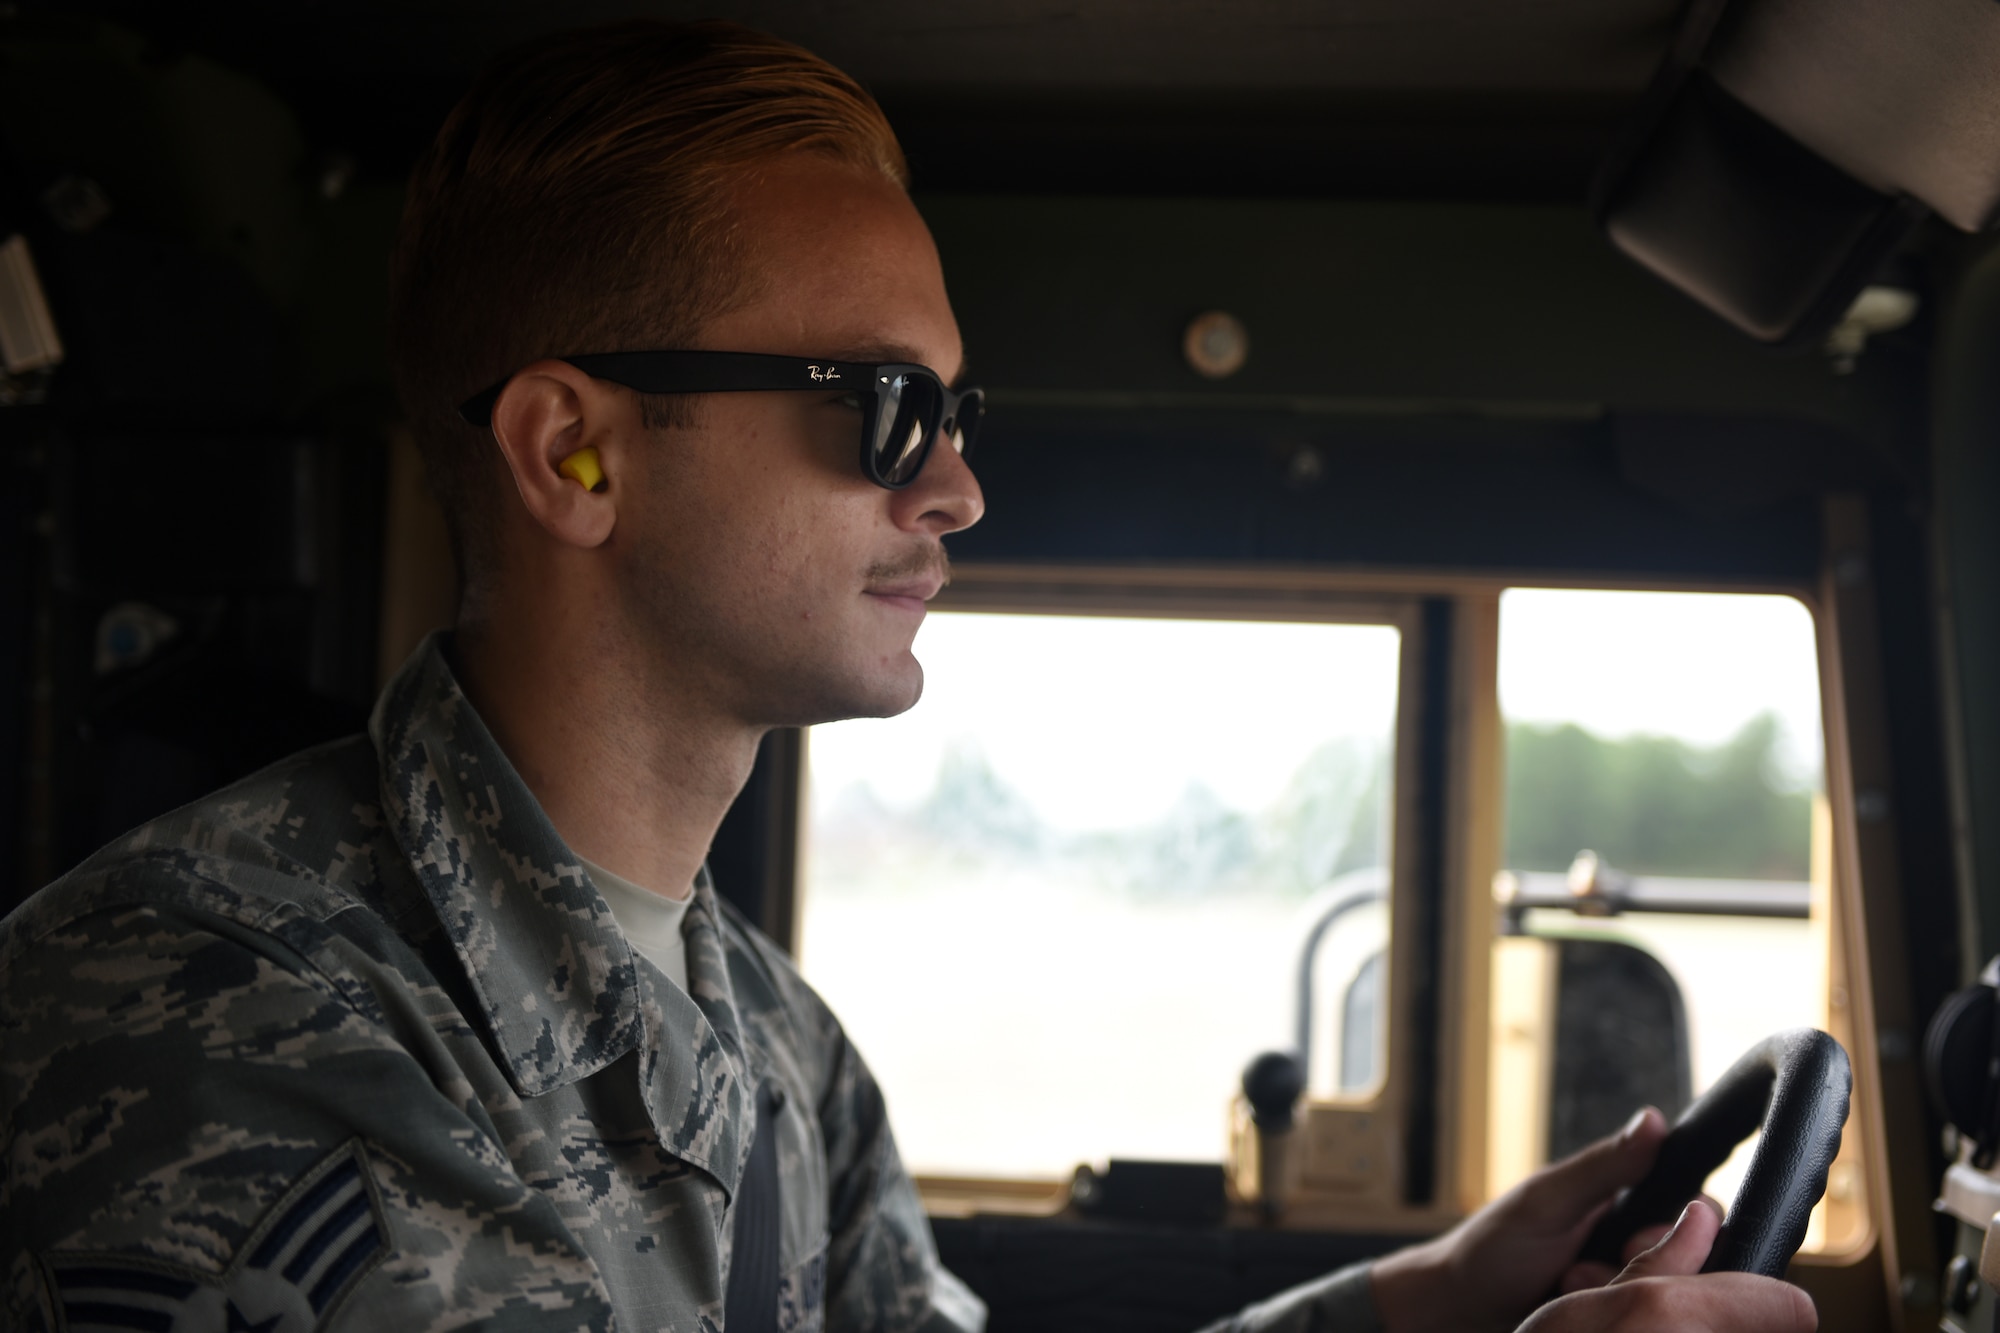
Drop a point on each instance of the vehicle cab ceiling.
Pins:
(1439, 98)
(1436, 98)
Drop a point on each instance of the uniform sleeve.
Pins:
(883, 1273)
(1341, 1303)
(198, 1126)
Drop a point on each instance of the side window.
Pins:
(1666, 899)
(1060, 902)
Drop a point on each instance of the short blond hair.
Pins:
(576, 200)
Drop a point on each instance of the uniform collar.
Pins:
(562, 992)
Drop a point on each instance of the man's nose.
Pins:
(944, 498)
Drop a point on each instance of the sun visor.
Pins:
(1790, 146)
(1746, 220)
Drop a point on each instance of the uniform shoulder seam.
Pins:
(260, 923)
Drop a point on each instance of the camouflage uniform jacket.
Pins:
(1341, 1303)
(355, 1044)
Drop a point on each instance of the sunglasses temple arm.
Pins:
(478, 409)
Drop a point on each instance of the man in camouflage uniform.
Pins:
(360, 1043)
(358, 1036)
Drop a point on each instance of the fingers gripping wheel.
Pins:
(1794, 1086)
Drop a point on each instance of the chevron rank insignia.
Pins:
(288, 1277)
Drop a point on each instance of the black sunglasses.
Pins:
(903, 407)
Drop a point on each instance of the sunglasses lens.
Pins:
(904, 428)
(965, 427)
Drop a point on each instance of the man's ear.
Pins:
(548, 413)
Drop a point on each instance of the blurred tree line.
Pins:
(1650, 805)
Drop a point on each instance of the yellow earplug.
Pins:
(583, 468)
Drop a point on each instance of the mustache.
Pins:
(914, 564)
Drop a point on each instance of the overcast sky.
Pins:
(1103, 723)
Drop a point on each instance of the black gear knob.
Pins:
(1272, 1085)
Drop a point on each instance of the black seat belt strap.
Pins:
(751, 1303)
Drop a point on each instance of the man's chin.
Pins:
(885, 695)
(891, 698)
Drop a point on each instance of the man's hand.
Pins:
(1490, 1272)
(1660, 1292)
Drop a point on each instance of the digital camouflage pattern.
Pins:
(356, 1044)
(1341, 1303)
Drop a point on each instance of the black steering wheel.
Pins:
(1793, 1085)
